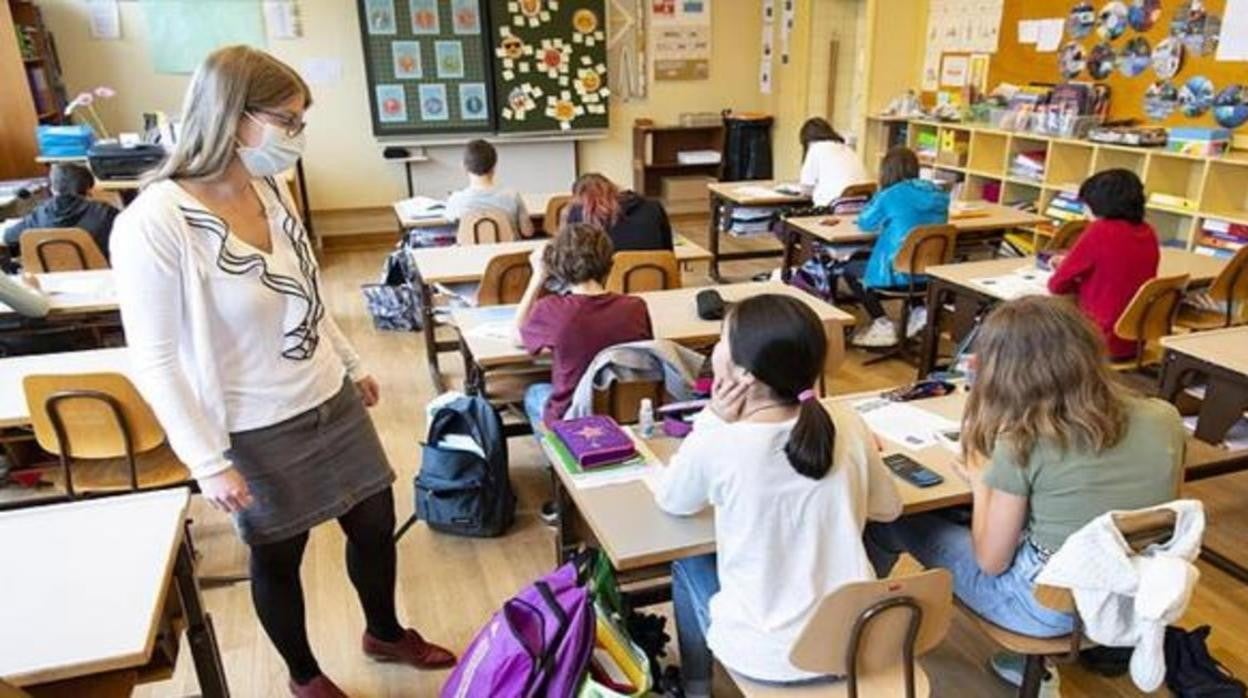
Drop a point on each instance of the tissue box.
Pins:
(64, 141)
(1199, 141)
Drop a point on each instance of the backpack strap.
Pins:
(548, 655)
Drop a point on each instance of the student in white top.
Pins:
(792, 483)
(260, 393)
(828, 165)
(482, 194)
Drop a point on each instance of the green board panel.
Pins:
(549, 64)
(181, 33)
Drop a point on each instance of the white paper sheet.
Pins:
(953, 71)
(931, 69)
(281, 19)
(70, 284)
(1026, 281)
(498, 330)
(1028, 31)
(902, 422)
(321, 72)
(1233, 41)
(1049, 34)
(104, 19)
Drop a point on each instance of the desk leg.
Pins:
(790, 251)
(1224, 563)
(430, 330)
(931, 333)
(1223, 405)
(713, 238)
(474, 374)
(199, 632)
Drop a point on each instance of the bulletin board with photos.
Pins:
(446, 67)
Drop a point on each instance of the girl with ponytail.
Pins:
(792, 483)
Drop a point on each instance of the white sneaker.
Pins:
(880, 333)
(917, 321)
(1009, 667)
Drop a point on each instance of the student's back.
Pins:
(67, 211)
(633, 222)
(893, 213)
(482, 195)
(830, 167)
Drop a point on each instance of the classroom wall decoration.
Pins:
(680, 32)
(627, 34)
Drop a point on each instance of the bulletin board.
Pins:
(1020, 64)
(448, 67)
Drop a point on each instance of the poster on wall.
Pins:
(680, 35)
(181, 34)
(964, 26)
(1233, 43)
(627, 50)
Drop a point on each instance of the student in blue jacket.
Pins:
(904, 202)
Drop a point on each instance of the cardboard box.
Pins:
(686, 194)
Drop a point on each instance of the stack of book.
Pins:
(744, 221)
(1029, 165)
(1064, 207)
(1221, 239)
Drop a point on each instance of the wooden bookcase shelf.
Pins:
(1217, 187)
(655, 150)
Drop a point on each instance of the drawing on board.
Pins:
(466, 16)
(472, 101)
(425, 18)
(433, 106)
(380, 14)
(407, 60)
(391, 104)
(450, 59)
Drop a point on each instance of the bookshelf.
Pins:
(39, 58)
(655, 150)
(1195, 189)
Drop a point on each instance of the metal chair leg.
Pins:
(1033, 676)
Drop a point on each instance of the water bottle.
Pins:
(645, 418)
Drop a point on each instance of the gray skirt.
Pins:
(308, 469)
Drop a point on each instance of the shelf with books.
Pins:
(1174, 184)
(978, 187)
(1220, 238)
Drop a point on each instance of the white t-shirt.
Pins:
(784, 541)
(829, 168)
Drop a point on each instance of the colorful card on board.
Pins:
(433, 106)
(391, 104)
(466, 16)
(407, 60)
(380, 15)
(425, 17)
(472, 101)
(450, 58)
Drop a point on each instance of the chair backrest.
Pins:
(926, 246)
(505, 278)
(60, 249)
(1065, 236)
(556, 206)
(90, 415)
(635, 271)
(622, 399)
(867, 627)
(1231, 285)
(484, 227)
(863, 189)
(1150, 314)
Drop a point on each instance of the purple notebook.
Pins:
(595, 440)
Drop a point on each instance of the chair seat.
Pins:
(156, 469)
(920, 292)
(1197, 319)
(1152, 357)
(1024, 644)
(882, 684)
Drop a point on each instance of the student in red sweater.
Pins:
(1114, 256)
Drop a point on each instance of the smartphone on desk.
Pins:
(912, 471)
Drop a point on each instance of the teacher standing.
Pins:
(261, 394)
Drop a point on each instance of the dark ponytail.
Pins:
(780, 340)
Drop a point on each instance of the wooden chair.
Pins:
(105, 435)
(1065, 236)
(556, 207)
(505, 279)
(871, 633)
(622, 399)
(1230, 288)
(925, 246)
(865, 190)
(485, 227)
(60, 249)
(1148, 318)
(1140, 529)
(636, 272)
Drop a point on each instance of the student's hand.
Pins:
(32, 281)
(537, 260)
(226, 491)
(370, 390)
(728, 396)
(1056, 261)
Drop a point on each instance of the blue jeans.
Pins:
(535, 398)
(1005, 599)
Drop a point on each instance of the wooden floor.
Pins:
(449, 586)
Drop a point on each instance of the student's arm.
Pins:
(524, 221)
(1000, 492)
(665, 228)
(684, 487)
(872, 217)
(810, 173)
(13, 236)
(452, 210)
(27, 300)
(1074, 266)
(524, 334)
(883, 501)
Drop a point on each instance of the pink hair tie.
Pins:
(806, 395)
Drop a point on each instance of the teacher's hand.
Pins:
(226, 491)
(370, 390)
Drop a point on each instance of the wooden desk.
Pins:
(991, 218)
(13, 370)
(1220, 359)
(955, 284)
(728, 194)
(86, 587)
(536, 215)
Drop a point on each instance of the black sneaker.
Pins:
(549, 513)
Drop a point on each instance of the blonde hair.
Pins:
(1041, 374)
(230, 82)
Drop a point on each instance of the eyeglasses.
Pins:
(292, 124)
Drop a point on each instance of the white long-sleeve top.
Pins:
(23, 299)
(223, 337)
(783, 540)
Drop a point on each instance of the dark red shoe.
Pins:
(409, 649)
(320, 687)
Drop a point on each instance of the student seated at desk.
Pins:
(1116, 254)
(828, 165)
(903, 203)
(574, 326)
(1051, 441)
(482, 194)
(24, 296)
(792, 484)
(69, 207)
(633, 221)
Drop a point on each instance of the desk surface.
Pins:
(535, 204)
(466, 263)
(84, 584)
(76, 292)
(749, 193)
(1227, 348)
(988, 216)
(13, 409)
(673, 315)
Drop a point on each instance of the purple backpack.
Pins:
(538, 644)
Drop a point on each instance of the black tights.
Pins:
(372, 564)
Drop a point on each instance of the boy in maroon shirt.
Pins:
(576, 326)
(1116, 254)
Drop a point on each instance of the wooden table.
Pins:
(13, 370)
(725, 195)
(987, 222)
(460, 264)
(90, 590)
(1220, 359)
(76, 293)
(955, 284)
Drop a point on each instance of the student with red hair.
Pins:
(632, 221)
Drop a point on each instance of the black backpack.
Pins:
(1191, 672)
(460, 492)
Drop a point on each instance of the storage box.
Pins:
(686, 194)
(1199, 141)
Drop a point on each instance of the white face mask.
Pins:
(276, 153)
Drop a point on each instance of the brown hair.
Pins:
(817, 129)
(480, 157)
(580, 252)
(899, 164)
(598, 198)
(1041, 374)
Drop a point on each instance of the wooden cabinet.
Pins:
(30, 80)
(656, 152)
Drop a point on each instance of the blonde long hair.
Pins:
(1042, 375)
(231, 81)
